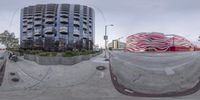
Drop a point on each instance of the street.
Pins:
(58, 82)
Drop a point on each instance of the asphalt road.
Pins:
(156, 74)
(78, 82)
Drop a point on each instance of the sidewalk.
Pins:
(78, 82)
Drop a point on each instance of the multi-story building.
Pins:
(116, 44)
(157, 42)
(57, 27)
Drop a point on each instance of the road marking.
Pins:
(169, 71)
(102, 74)
(100, 60)
(127, 90)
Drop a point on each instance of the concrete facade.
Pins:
(57, 27)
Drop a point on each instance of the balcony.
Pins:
(24, 38)
(48, 30)
(90, 30)
(37, 32)
(49, 20)
(84, 18)
(64, 20)
(76, 17)
(29, 36)
(85, 26)
(85, 35)
(25, 24)
(90, 37)
(39, 22)
(38, 17)
(30, 17)
(29, 27)
(29, 20)
(24, 20)
(85, 21)
(63, 30)
(85, 15)
(90, 24)
(24, 30)
(76, 23)
(38, 14)
(50, 15)
(76, 33)
(64, 15)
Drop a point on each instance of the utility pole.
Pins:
(106, 39)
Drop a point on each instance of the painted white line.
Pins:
(127, 90)
(169, 71)
(102, 74)
(99, 60)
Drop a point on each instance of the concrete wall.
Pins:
(30, 57)
(43, 60)
(47, 60)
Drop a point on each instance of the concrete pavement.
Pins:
(37, 82)
(78, 82)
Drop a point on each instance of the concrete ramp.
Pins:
(155, 74)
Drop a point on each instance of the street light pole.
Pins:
(106, 38)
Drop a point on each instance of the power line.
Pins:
(11, 21)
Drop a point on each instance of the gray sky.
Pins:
(180, 17)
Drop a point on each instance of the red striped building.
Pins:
(157, 42)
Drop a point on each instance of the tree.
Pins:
(9, 40)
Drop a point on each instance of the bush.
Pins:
(33, 52)
(53, 54)
(50, 54)
(87, 52)
(44, 54)
(70, 53)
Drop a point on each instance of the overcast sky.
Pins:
(180, 17)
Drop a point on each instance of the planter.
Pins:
(86, 57)
(42, 60)
(17, 53)
(78, 59)
(30, 57)
(67, 60)
(94, 55)
(46, 60)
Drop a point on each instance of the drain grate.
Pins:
(12, 73)
(106, 60)
(101, 68)
(15, 79)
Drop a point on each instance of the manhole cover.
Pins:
(101, 68)
(12, 73)
(15, 79)
(106, 60)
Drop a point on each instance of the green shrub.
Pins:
(44, 54)
(53, 54)
(87, 52)
(70, 53)
(50, 54)
(33, 52)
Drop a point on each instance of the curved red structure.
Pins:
(157, 42)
